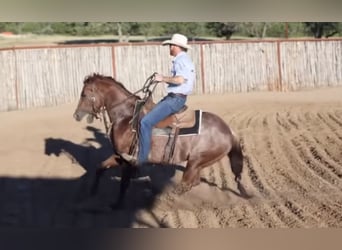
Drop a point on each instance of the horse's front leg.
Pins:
(127, 172)
(111, 161)
(106, 164)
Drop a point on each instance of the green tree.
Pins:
(123, 29)
(296, 29)
(189, 29)
(277, 30)
(225, 30)
(254, 29)
(14, 27)
(320, 29)
(149, 29)
(65, 28)
(34, 27)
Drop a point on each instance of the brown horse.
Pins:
(214, 140)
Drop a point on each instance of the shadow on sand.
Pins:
(27, 202)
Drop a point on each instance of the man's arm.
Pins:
(169, 79)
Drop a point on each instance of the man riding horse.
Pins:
(180, 85)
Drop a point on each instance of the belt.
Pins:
(176, 94)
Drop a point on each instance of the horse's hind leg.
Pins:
(236, 159)
(190, 178)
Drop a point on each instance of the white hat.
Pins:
(179, 40)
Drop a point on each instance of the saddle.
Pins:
(185, 118)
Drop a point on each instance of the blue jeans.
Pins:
(167, 106)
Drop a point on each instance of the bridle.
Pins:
(94, 111)
(145, 89)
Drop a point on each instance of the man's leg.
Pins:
(164, 108)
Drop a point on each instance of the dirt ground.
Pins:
(292, 143)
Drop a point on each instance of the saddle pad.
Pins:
(195, 130)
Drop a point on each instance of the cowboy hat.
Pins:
(179, 40)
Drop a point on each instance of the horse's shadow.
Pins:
(141, 194)
(85, 154)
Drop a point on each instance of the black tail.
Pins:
(236, 163)
(236, 159)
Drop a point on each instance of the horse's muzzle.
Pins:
(79, 115)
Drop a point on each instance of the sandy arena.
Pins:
(292, 143)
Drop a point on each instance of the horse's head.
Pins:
(91, 100)
(103, 92)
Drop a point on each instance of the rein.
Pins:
(145, 89)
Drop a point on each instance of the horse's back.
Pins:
(214, 136)
(213, 124)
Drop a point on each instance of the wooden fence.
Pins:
(52, 75)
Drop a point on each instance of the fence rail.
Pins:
(52, 75)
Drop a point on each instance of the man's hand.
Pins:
(158, 78)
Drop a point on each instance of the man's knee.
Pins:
(145, 122)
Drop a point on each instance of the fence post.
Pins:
(113, 62)
(280, 85)
(202, 68)
(16, 79)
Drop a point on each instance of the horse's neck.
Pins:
(118, 104)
